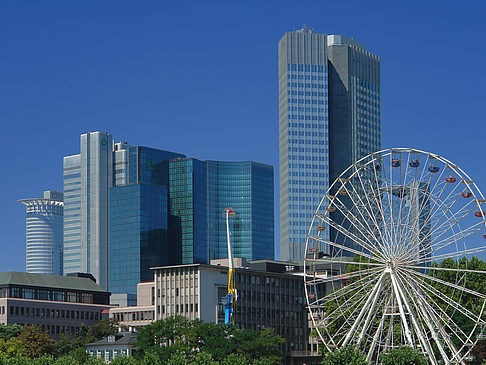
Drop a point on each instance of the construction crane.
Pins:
(232, 295)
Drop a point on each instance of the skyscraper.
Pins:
(354, 103)
(44, 232)
(88, 178)
(247, 187)
(303, 135)
(329, 116)
(201, 190)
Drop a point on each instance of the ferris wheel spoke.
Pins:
(352, 237)
(445, 242)
(429, 322)
(349, 317)
(368, 280)
(370, 205)
(351, 218)
(426, 286)
(341, 277)
(406, 329)
(440, 281)
(447, 320)
(332, 261)
(456, 218)
(379, 204)
(456, 254)
(434, 319)
(370, 299)
(378, 332)
(442, 269)
(347, 306)
(413, 317)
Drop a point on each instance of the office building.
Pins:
(140, 315)
(354, 103)
(265, 298)
(200, 191)
(329, 116)
(58, 304)
(188, 188)
(247, 187)
(88, 181)
(44, 233)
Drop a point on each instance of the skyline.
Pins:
(65, 79)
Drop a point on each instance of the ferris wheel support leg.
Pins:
(400, 294)
(369, 317)
(377, 335)
(408, 334)
(374, 297)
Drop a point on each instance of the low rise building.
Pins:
(119, 344)
(58, 304)
(140, 315)
(265, 298)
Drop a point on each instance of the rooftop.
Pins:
(49, 281)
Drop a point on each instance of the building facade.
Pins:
(44, 233)
(58, 304)
(247, 187)
(93, 181)
(188, 189)
(329, 116)
(265, 299)
(303, 135)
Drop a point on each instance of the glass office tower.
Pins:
(354, 103)
(88, 178)
(44, 222)
(329, 117)
(247, 187)
(188, 209)
(138, 234)
(303, 135)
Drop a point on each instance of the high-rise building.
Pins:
(188, 209)
(354, 103)
(329, 116)
(88, 179)
(303, 135)
(44, 233)
(247, 187)
(200, 191)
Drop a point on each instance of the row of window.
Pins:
(134, 316)
(50, 313)
(46, 294)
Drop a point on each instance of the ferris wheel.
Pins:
(390, 258)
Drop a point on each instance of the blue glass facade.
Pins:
(188, 201)
(138, 234)
(247, 187)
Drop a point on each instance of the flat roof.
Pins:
(49, 281)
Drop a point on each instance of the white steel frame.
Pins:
(401, 222)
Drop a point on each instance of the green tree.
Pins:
(13, 347)
(124, 360)
(36, 342)
(404, 355)
(101, 330)
(347, 355)
(7, 331)
(235, 359)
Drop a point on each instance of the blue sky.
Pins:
(200, 78)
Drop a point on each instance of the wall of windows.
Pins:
(138, 235)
